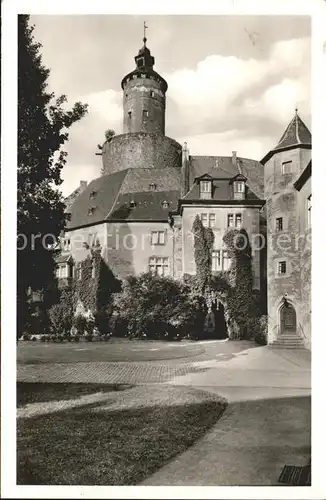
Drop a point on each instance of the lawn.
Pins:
(119, 440)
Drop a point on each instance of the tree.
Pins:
(43, 123)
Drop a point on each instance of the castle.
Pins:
(142, 208)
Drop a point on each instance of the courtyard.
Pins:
(160, 413)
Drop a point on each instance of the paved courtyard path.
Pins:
(267, 422)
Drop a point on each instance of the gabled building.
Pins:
(142, 208)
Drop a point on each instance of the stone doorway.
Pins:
(221, 331)
(288, 320)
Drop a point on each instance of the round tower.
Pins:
(144, 96)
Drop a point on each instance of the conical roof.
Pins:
(295, 135)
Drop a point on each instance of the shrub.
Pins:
(79, 323)
(155, 307)
(42, 339)
(262, 337)
(102, 321)
(59, 318)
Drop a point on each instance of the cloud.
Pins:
(225, 103)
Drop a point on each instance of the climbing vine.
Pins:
(203, 246)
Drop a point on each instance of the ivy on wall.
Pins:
(94, 288)
(203, 245)
(234, 288)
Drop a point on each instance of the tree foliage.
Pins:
(157, 306)
(43, 123)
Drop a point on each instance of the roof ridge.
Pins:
(116, 198)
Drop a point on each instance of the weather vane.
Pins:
(145, 28)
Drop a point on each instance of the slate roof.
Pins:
(147, 206)
(108, 197)
(303, 177)
(226, 169)
(222, 190)
(295, 135)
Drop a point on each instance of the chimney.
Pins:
(83, 185)
(185, 170)
(234, 158)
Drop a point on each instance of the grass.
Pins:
(119, 442)
(28, 393)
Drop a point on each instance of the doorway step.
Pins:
(288, 341)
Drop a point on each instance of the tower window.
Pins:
(287, 167)
(309, 211)
(145, 113)
(279, 224)
(141, 61)
(152, 93)
(281, 267)
(129, 114)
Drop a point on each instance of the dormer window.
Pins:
(92, 194)
(91, 210)
(132, 204)
(165, 204)
(152, 186)
(205, 189)
(239, 187)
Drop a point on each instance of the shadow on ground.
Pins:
(101, 444)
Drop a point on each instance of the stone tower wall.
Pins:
(282, 201)
(140, 150)
(144, 106)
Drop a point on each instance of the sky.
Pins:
(233, 81)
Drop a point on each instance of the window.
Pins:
(152, 186)
(226, 260)
(159, 266)
(281, 267)
(230, 220)
(220, 260)
(211, 220)
(238, 220)
(78, 271)
(145, 113)
(216, 260)
(279, 224)
(204, 220)
(91, 210)
(205, 189)
(93, 269)
(92, 194)
(309, 211)
(287, 167)
(239, 187)
(62, 271)
(165, 204)
(158, 238)
(152, 93)
(129, 114)
(141, 61)
(132, 204)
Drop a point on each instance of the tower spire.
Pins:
(145, 28)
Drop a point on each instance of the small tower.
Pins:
(282, 167)
(144, 95)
